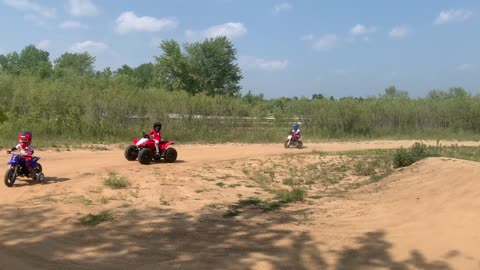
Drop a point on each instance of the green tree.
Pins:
(35, 62)
(30, 61)
(171, 68)
(393, 92)
(76, 64)
(208, 66)
(10, 63)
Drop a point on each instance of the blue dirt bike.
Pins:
(18, 169)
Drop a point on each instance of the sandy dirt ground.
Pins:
(425, 216)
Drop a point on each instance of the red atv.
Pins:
(144, 149)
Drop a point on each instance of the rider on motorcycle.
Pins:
(296, 131)
(25, 147)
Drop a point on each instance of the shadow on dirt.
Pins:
(157, 238)
(52, 180)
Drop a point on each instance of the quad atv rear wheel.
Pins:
(131, 152)
(145, 156)
(170, 155)
(10, 177)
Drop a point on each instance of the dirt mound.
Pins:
(421, 217)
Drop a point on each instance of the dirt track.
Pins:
(422, 217)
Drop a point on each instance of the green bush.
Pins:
(404, 157)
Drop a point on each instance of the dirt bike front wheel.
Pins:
(10, 177)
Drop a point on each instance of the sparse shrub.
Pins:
(114, 181)
(364, 168)
(93, 220)
(294, 195)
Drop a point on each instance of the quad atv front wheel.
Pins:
(286, 144)
(131, 152)
(145, 156)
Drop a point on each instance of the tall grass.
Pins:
(89, 110)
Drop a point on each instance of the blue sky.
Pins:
(284, 48)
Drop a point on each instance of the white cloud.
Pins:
(72, 25)
(230, 30)
(325, 42)
(281, 7)
(27, 5)
(465, 67)
(129, 22)
(82, 8)
(88, 46)
(43, 44)
(400, 31)
(307, 37)
(263, 64)
(452, 15)
(361, 29)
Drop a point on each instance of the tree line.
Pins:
(194, 90)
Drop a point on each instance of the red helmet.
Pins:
(25, 139)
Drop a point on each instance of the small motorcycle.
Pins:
(18, 168)
(293, 140)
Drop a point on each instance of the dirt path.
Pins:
(424, 217)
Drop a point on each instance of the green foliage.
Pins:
(74, 64)
(288, 196)
(114, 181)
(31, 62)
(404, 157)
(207, 66)
(94, 220)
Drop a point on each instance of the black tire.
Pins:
(286, 144)
(131, 152)
(170, 155)
(9, 177)
(40, 178)
(145, 156)
(38, 168)
(299, 144)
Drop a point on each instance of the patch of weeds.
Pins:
(289, 181)
(234, 185)
(250, 186)
(104, 200)
(115, 182)
(200, 190)
(245, 171)
(94, 220)
(379, 177)
(220, 184)
(364, 168)
(316, 197)
(163, 201)
(294, 195)
(312, 167)
(231, 213)
(256, 203)
(86, 201)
